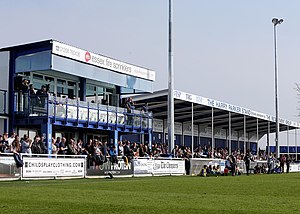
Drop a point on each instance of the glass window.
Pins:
(61, 82)
(49, 79)
(33, 61)
(38, 77)
(70, 83)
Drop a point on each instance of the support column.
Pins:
(212, 132)
(114, 139)
(257, 136)
(229, 134)
(192, 129)
(238, 141)
(288, 140)
(268, 146)
(245, 135)
(150, 140)
(46, 131)
(296, 144)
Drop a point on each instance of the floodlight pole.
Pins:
(171, 84)
(275, 22)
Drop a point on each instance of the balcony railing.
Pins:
(70, 110)
(3, 101)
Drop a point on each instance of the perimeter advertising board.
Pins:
(53, 167)
(167, 166)
(120, 168)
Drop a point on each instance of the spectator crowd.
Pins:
(99, 152)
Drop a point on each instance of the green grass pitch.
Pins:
(242, 194)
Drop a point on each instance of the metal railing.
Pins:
(73, 110)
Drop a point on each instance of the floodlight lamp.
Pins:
(280, 21)
(275, 21)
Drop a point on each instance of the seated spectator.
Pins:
(203, 172)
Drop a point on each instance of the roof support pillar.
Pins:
(268, 146)
(257, 136)
(229, 135)
(296, 144)
(245, 134)
(288, 140)
(192, 129)
(212, 132)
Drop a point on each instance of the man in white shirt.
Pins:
(11, 138)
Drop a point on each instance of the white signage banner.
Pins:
(229, 107)
(205, 131)
(220, 133)
(168, 167)
(177, 127)
(101, 61)
(187, 129)
(148, 166)
(53, 167)
(158, 125)
(142, 166)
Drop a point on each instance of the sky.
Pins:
(223, 50)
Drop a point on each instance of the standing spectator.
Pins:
(71, 148)
(2, 144)
(288, 161)
(62, 146)
(282, 161)
(44, 145)
(16, 145)
(57, 143)
(120, 149)
(36, 146)
(79, 147)
(26, 143)
(247, 159)
(54, 148)
(233, 165)
(11, 138)
(130, 109)
(42, 96)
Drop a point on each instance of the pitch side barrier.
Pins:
(8, 168)
(47, 166)
(158, 166)
(138, 167)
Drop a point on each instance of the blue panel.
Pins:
(241, 146)
(253, 147)
(46, 130)
(178, 140)
(204, 141)
(292, 149)
(283, 149)
(220, 143)
(187, 140)
(92, 72)
(132, 138)
(272, 149)
(234, 145)
(298, 149)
